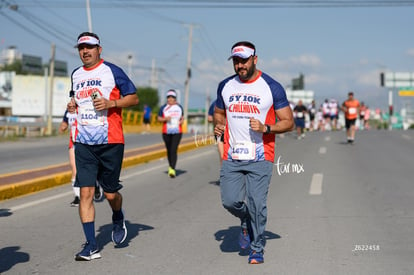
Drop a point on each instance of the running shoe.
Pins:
(75, 202)
(89, 252)
(256, 257)
(244, 238)
(119, 232)
(98, 192)
(171, 172)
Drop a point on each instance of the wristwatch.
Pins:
(267, 129)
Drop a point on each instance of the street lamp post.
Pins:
(130, 66)
(187, 81)
(88, 14)
(52, 77)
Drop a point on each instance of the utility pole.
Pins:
(207, 107)
(187, 80)
(52, 76)
(88, 14)
(391, 109)
(46, 74)
(130, 66)
(154, 75)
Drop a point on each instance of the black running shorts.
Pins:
(101, 162)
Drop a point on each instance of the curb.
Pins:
(53, 180)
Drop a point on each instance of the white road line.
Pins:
(316, 184)
(407, 137)
(327, 138)
(36, 202)
(163, 165)
(322, 150)
(55, 197)
(143, 171)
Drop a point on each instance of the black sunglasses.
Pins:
(87, 46)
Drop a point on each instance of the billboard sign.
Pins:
(295, 95)
(408, 91)
(397, 79)
(6, 88)
(30, 95)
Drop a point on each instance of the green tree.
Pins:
(146, 95)
(16, 66)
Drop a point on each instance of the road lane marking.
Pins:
(316, 184)
(65, 194)
(407, 137)
(322, 150)
(36, 202)
(327, 138)
(163, 165)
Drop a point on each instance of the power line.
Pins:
(46, 27)
(34, 21)
(69, 23)
(24, 27)
(231, 4)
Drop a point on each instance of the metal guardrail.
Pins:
(22, 130)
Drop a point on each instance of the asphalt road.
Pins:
(333, 208)
(36, 152)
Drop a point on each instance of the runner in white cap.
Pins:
(247, 106)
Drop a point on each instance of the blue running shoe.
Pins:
(256, 257)
(244, 238)
(119, 232)
(89, 252)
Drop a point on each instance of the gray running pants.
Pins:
(244, 187)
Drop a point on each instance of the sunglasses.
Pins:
(87, 46)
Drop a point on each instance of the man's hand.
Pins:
(71, 106)
(101, 104)
(219, 130)
(256, 125)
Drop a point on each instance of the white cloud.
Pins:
(284, 78)
(276, 63)
(363, 61)
(410, 52)
(300, 61)
(313, 79)
(306, 60)
(369, 78)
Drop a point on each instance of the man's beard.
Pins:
(248, 75)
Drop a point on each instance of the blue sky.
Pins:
(338, 49)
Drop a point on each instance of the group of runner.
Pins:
(251, 108)
(325, 117)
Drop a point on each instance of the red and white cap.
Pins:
(172, 93)
(90, 40)
(242, 52)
